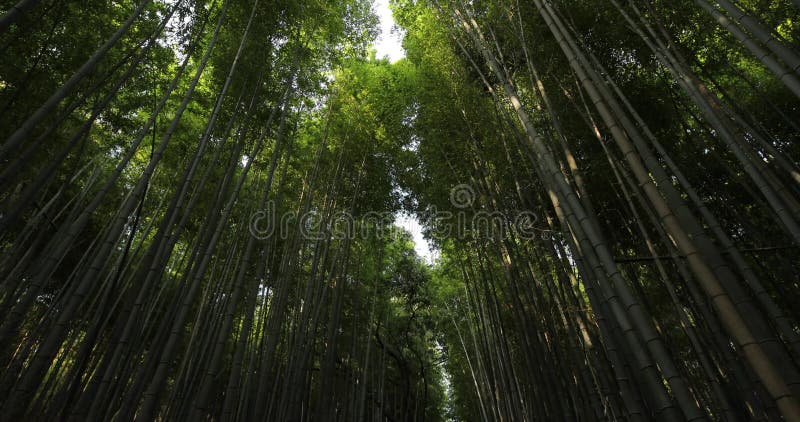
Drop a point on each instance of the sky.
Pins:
(389, 44)
(421, 245)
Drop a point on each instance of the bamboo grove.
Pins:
(197, 205)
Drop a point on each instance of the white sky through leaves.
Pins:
(389, 45)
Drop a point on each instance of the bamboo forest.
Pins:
(532, 210)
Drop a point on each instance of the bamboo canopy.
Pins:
(202, 206)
